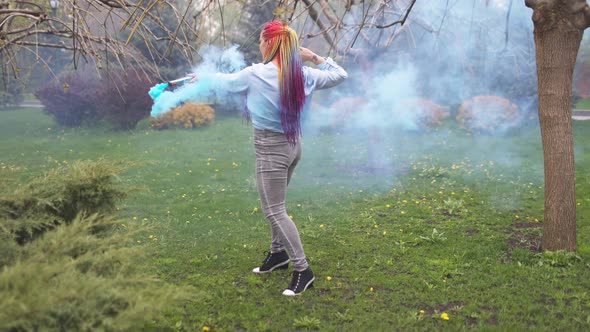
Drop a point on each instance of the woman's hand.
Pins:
(309, 55)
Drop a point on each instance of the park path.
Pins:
(30, 104)
(581, 114)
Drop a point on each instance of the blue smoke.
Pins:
(208, 88)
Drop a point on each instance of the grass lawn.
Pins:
(428, 231)
(583, 104)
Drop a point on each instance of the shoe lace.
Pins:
(295, 280)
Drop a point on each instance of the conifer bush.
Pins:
(189, 115)
(75, 279)
(83, 271)
(59, 195)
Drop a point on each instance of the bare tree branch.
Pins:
(361, 26)
(402, 21)
(91, 29)
(106, 32)
(316, 18)
(328, 12)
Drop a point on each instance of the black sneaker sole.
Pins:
(281, 266)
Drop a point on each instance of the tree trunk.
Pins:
(557, 39)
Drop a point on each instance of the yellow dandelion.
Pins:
(328, 278)
(421, 312)
(322, 226)
(206, 328)
(384, 232)
(444, 316)
(291, 216)
(371, 289)
(387, 206)
(134, 218)
(151, 236)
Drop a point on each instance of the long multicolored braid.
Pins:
(284, 44)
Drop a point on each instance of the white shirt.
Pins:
(260, 82)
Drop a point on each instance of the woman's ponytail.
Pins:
(284, 44)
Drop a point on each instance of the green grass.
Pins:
(444, 225)
(583, 104)
(29, 97)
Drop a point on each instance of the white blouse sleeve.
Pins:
(325, 75)
(234, 82)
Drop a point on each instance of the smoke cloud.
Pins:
(207, 88)
(472, 62)
(468, 62)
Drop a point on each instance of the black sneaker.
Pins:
(300, 282)
(273, 261)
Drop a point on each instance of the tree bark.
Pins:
(557, 39)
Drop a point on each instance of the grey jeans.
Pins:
(276, 159)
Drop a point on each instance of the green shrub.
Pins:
(188, 115)
(76, 279)
(66, 265)
(59, 195)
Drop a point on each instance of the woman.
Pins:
(277, 92)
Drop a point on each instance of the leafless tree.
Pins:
(96, 31)
(100, 31)
(559, 26)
